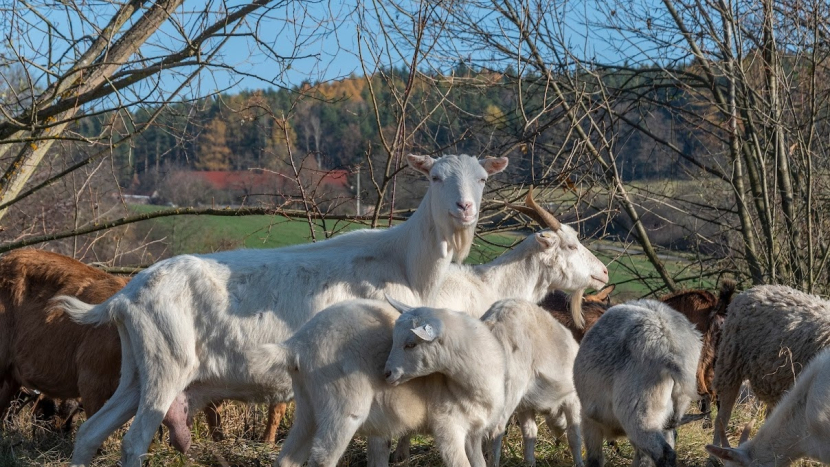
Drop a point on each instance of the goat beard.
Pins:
(461, 241)
(576, 308)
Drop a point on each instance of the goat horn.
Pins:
(547, 218)
(745, 433)
(527, 212)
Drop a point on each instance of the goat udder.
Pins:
(177, 421)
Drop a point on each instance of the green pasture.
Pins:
(628, 267)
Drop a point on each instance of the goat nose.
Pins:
(388, 373)
(464, 205)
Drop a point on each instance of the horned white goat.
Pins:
(186, 323)
(361, 367)
(799, 426)
(549, 260)
(540, 355)
(636, 378)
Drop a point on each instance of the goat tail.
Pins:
(83, 313)
(686, 419)
(272, 358)
(727, 291)
(576, 308)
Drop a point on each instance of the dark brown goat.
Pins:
(41, 348)
(558, 305)
(706, 312)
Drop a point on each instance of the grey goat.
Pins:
(636, 378)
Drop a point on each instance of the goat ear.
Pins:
(745, 433)
(422, 164)
(728, 454)
(425, 332)
(604, 293)
(547, 239)
(401, 307)
(494, 165)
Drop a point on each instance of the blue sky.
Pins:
(322, 34)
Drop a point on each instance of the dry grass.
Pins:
(25, 444)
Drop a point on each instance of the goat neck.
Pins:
(427, 249)
(475, 377)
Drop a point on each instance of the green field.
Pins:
(630, 270)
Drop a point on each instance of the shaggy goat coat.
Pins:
(799, 426)
(636, 378)
(769, 335)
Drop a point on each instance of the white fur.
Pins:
(636, 378)
(799, 426)
(448, 382)
(542, 262)
(187, 322)
(540, 355)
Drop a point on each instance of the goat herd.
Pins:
(358, 331)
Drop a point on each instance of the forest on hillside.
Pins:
(338, 124)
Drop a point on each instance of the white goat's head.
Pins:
(565, 263)
(455, 189)
(733, 457)
(415, 343)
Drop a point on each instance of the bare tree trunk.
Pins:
(81, 79)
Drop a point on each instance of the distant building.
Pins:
(269, 182)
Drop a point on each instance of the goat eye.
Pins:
(436, 178)
(410, 345)
(572, 247)
(482, 180)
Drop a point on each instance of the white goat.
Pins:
(547, 260)
(186, 323)
(444, 375)
(636, 378)
(540, 355)
(799, 426)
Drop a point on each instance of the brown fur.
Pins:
(707, 313)
(41, 348)
(276, 412)
(558, 304)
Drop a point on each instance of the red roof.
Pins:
(256, 180)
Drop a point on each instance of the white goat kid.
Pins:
(443, 375)
(186, 323)
(799, 426)
(539, 353)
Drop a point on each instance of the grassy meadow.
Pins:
(627, 266)
(27, 444)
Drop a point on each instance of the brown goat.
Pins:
(558, 304)
(41, 348)
(707, 313)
